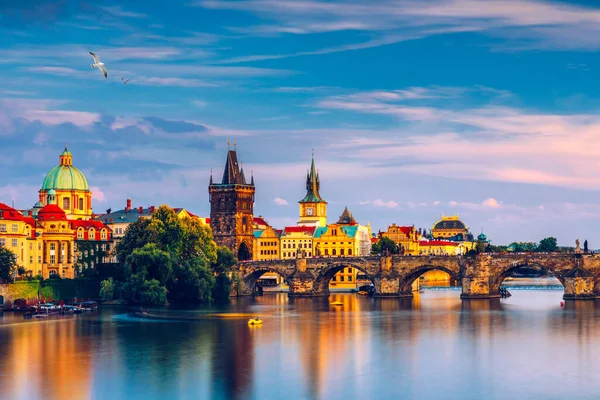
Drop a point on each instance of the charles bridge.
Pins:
(392, 276)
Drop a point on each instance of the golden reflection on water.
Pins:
(305, 348)
(47, 359)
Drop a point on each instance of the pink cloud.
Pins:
(386, 204)
(280, 202)
(97, 194)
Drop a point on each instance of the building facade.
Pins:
(407, 237)
(232, 209)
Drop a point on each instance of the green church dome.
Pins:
(65, 176)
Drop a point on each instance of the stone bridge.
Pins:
(392, 276)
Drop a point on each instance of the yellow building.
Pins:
(313, 209)
(266, 241)
(448, 227)
(57, 241)
(440, 248)
(296, 239)
(17, 233)
(71, 188)
(407, 237)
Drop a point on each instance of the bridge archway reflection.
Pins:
(537, 267)
(326, 275)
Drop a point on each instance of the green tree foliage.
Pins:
(107, 289)
(523, 247)
(547, 245)
(8, 264)
(385, 244)
(176, 254)
(481, 246)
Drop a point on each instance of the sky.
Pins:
(414, 109)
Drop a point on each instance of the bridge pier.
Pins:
(478, 288)
(579, 288)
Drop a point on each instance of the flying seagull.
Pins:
(99, 65)
(125, 83)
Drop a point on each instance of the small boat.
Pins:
(362, 293)
(336, 303)
(254, 321)
(41, 315)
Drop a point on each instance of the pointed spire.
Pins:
(211, 181)
(252, 177)
(242, 176)
(312, 185)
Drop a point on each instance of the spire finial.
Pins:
(234, 144)
(66, 147)
(228, 144)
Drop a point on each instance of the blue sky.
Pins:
(413, 108)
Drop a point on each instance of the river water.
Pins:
(434, 346)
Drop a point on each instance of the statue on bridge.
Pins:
(577, 248)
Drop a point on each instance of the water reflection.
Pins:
(431, 346)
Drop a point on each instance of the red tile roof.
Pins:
(86, 225)
(437, 243)
(208, 221)
(10, 214)
(51, 212)
(260, 221)
(302, 229)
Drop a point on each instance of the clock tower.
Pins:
(313, 209)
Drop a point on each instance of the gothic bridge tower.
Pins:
(232, 209)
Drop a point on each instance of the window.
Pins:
(342, 278)
(15, 242)
(52, 246)
(2, 227)
(81, 204)
(52, 258)
(350, 278)
(66, 203)
(2, 242)
(349, 252)
(91, 234)
(30, 259)
(349, 270)
(30, 246)
(80, 233)
(15, 228)
(333, 252)
(341, 252)
(39, 259)
(103, 234)
(52, 272)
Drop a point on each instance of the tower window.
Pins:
(81, 204)
(66, 203)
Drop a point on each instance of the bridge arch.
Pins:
(327, 273)
(497, 280)
(407, 280)
(250, 276)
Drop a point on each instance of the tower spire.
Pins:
(312, 184)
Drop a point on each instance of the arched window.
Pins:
(81, 204)
(333, 252)
(91, 234)
(341, 252)
(349, 252)
(103, 234)
(80, 233)
(326, 252)
(66, 203)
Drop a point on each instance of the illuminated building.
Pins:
(407, 237)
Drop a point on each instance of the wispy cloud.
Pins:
(280, 202)
(541, 23)
(120, 12)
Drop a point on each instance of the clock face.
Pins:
(310, 211)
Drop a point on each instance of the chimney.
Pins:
(152, 208)
(128, 205)
(30, 213)
(140, 209)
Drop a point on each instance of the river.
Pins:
(434, 346)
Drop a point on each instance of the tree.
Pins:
(523, 247)
(384, 245)
(153, 293)
(107, 289)
(585, 246)
(547, 245)
(179, 254)
(8, 264)
(481, 246)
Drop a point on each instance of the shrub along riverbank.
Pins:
(51, 289)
